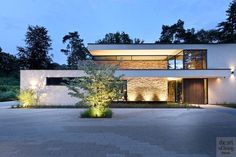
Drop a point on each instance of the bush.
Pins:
(96, 113)
(7, 95)
(27, 97)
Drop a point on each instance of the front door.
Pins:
(193, 91)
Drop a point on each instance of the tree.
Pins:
(190, 37)
(119, 38)
(97, 89)
(172, 34)
(176, 33)
(9, 64)
(138, 41)
(75, 49)
(227, 29)
(209, 36)
(35, 55)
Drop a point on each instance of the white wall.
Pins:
(219, 56)
(50, 95)
(220, 90)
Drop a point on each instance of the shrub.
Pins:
(96, 113)
(8, 92)
(97, 89)
(27, 97)
(8, 95)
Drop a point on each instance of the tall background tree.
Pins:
(176, 33)
(119, 38)
(227, 29)
(35, 54)
(75, 49)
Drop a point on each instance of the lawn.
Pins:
(9, 88)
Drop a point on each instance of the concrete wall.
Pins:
(222, 90)
(50, 95)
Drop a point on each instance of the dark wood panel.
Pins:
(194, 91)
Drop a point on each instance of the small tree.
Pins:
(97, 89)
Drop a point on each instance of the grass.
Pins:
(9, 88)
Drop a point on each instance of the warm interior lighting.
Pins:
(173, 78)
(135, 52)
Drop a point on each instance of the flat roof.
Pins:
(148, 48)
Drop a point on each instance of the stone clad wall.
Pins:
(137, 64)
(147, 89)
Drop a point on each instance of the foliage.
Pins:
(9, 64)
(119, 38)
(27, 97)
(227, 29)
(207, 36)
(176, 33)
(173, 33)
(9, 88)
(35, 55)
(75, 49)
(98, 88)
(95, 113)
(7, 95)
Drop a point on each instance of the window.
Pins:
(58, 81)
(179, 62)
(171, 62)
(105, 58)
(195, 59)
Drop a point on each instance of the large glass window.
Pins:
(179, 62)
(195, 59)
(171, 62)
(175, 91)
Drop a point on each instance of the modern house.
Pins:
(181, 73)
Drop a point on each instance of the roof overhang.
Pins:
(135, 52)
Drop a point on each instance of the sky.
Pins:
(94, 18)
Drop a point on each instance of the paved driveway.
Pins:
(131, 133)
(8, 104)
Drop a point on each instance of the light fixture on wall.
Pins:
(232, 70)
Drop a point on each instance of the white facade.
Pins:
(50, 95)
(221, 61)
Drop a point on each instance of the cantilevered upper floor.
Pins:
(216, 59)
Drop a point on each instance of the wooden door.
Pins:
(193, 91)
